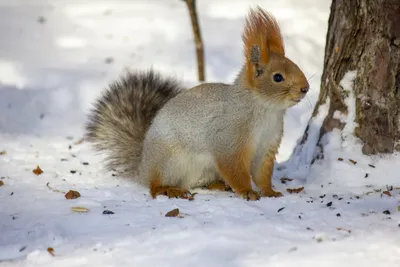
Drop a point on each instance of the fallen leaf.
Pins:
(340, 159)
(295, 190)
(108, 212)
(79, 209)
(286, 179)
(281, 209)
(51, 251)
(80, 141)
(372, 166)
(353, 161)
(3, 152)
(1, 183)
(172, 213)
(387, 193)
(343, 229)
(54, 190)
(71, 194)
(37, 171)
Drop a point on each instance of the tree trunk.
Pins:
(363, 38)
(191, 4)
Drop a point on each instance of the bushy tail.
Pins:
(122, 115)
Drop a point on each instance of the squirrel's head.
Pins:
(267, 71)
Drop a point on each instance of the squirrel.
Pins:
(213, 135)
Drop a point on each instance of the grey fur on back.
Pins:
(121, 117)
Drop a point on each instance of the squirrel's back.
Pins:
(121, 117)
(196, 115)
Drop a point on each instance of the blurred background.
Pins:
(57, 56)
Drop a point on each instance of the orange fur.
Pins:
(263, 178)
(157, 189)
(262, 30)
(219, 185)
(235, 170)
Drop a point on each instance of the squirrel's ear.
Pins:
(255, 57)
(261, 33)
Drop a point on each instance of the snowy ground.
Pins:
(56, 58)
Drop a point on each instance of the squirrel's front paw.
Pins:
(250, 195)
(272, 193)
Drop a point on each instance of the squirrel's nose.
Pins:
(304, 89)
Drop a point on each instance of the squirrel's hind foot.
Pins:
(219, 185)
(171, 192)
(157, 189)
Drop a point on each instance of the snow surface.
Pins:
(56, 57)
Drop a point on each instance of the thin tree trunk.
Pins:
(363, 36)
(197, 38)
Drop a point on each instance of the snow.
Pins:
(350, 101)
(54, 61)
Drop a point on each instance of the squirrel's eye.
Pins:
(278, 78)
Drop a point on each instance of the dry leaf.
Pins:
(79, 141)
(1, 183)
(71, 194)
(51, 251)
(54, 190)
(295, 190)
(172, 213)
(387, 193)
(286, 179)
(108, 212)
(340, 159)
(343, 229)
(37, 171)
(353, 161)
(79, 209)
(3, 152)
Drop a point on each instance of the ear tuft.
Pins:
(261, 37)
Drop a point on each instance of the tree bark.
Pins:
(363, 36)
(191, 4)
